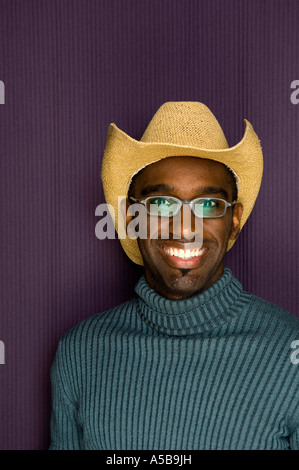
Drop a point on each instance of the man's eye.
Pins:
(161, 201)
(210, 203)
(162, 206)
(207, 203)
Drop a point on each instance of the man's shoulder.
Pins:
(99, 323)
(272, 311)
(273, 334)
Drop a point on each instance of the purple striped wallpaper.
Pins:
(68, 69)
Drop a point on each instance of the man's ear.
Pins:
(236, 221)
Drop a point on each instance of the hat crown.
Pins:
(185, 123)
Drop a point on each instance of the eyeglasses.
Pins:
(170, 206)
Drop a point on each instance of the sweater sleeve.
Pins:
(66, 433)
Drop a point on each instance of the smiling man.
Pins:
(193, 361)
(171, 272)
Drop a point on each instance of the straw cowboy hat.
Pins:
(180, 129)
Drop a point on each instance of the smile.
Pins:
(183, 254)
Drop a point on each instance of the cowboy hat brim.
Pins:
(124, 157)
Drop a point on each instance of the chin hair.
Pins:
(184, 272)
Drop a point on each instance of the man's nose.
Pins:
(186, 226)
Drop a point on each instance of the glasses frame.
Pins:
(181, 202)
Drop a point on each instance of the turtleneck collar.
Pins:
(203, 312)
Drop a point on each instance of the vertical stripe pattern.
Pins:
(70, 67)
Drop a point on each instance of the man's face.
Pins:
(187, 178)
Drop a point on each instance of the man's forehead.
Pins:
(150, 189)
(170, 171)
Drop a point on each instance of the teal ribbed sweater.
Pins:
(210, 372)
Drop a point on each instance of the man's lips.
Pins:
(183, 257)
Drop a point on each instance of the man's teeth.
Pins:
(183, 254)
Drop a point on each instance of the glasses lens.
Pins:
(162, 206)
(209, 207)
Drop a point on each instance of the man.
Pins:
(194, 361)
